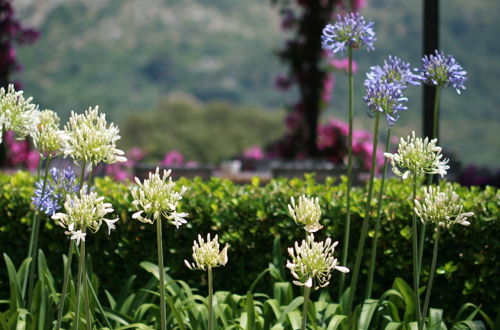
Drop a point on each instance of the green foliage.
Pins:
(249, 217)
(187, 309)
(206, 133)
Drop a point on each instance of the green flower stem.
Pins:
(373, 257)
(364, 228)
(307, 293)
(210, 298)
(163, 315)
(32, 236)
(81, 271)
(431, 276)
(416, 270)
(435, 127)
(67, 272)
(435, 135)
(86, 303)
(347, 228)
(35, 233)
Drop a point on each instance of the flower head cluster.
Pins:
(84, 212)
(350, 30)
(306, 212)
(312, 262)
(17, 113)
(157, 198)
(441, 70)
(207, 254)
(90, 139)
(394, 71)
(58, 186)
(47, 137)
(386, 98)
(417, 156)
(442, 208)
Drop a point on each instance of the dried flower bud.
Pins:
(207, 255)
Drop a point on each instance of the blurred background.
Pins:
(217, 80)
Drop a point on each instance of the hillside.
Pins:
(128, 55)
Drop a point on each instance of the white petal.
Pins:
(342, 269)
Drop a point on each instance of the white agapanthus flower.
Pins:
(84, 213)
(417, 156)
(17, 113)
(441, 208)
(207, 254)
(313, 262)
(157, 198)
(90, 139)
(306, 212)
(47, 137)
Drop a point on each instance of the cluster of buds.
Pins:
(441, 208)
(17, 113)
(442, 70)
(57, 187)
(306, 212)
(84, 212)
(207, 254)
(47, 137)
(417, 156)
(158, 198)
(91, 140)
(312, 262)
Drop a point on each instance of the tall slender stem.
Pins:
(307, 293)
(32, 235)
(364, 227)
(435, 127)
(435, 135)
(86, 303)
(431, 276)
(81, 266)
(373, 257)
(210, 298)
(65, 284)
(416, 270)
(347, 228)
(35, 233)
(163, 315)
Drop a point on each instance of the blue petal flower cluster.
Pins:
(350, 30)
(394, 71)
(441, 70)
(59, 184)
(386, 98)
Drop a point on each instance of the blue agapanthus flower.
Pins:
(385, 98)
(441, 70)
(59, 184)
(350, 30)
(394, 71)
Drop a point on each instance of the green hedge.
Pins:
(249, 217)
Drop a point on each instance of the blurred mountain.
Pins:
(126, 55)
